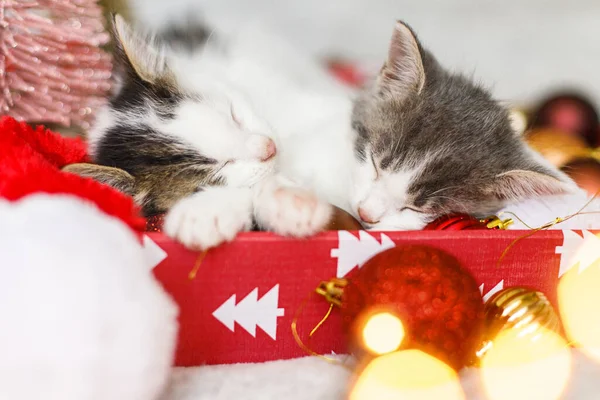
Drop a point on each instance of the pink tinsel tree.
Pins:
(52, 67)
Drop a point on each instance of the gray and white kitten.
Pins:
(198, 125)
(430, 142)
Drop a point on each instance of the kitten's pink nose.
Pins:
(270, 151)
(366, 217)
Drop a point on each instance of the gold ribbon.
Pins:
(556, 221)
(194, 271)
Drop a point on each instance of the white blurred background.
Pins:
(521, 48)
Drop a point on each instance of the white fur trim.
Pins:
(82, 316)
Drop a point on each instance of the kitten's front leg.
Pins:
(210, 217)
(283, 207)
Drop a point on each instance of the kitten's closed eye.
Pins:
(411, 208)
(225, 164)
(375, 168)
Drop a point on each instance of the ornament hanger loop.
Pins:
(308, 350)
(494, 222)
(332, 290)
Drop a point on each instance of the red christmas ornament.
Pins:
(569, 112)
(462, 222)
(457, 222)
(437, 301)
(347, 73)
(154, 223)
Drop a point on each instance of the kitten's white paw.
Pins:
(291, 211)
(209, 218)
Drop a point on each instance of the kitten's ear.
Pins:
(403, 73)
(521, 184)
(115, 177)
(140, 52)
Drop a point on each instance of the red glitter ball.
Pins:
(155, 223)
(347, 73)
(455, 222)
(437, 301)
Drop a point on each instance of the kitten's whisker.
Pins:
(444, 189)
(207, 42)
(191, 166)
(210, 35)
(214, 174)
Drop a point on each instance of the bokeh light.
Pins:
(407, 375)
(526, 366)
(579, 296)
(383, 333)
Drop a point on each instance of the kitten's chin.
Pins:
(255, 180)
(262, 174)
(406, 220)
(248, 174)
(393, 228)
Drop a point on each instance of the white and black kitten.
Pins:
(193, 145)
(198, 118)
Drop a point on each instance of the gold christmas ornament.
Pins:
(517, 309)
(559, 147)
(585, 172)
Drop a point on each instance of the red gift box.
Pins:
(240, 306)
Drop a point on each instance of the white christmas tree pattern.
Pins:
(486, 296)
(578, 251)
(153, 253)
(354, 251)
(252, 312)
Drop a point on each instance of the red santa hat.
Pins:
(31, 161)
(80, 306)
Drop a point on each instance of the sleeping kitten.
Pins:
(417, 143)
(195, 147)
(431, 143)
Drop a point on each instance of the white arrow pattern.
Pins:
(252, 312)
(578, 251)
(353, 252)
(499, 286)
(152, 252)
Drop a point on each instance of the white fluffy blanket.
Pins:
(314, 379)
(538, 212)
